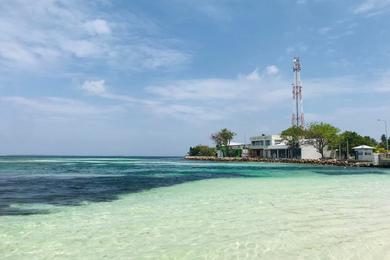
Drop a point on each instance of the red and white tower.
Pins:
(298, 118)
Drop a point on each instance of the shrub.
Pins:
(202, 150)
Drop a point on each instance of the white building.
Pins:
(364, 153)
(260, 143)
(281, 151)
(274, 147)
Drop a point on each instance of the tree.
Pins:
(217, 139)
(370, 141)
(223, 137)
(202, 150)
(383, 142)
(353, 139)
(226, 136)
(323, 135)
(294, 136)
(222, 140)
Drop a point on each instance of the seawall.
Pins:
(331, 162)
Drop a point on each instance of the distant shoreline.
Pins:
(329, 162)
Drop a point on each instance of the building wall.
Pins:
(384, 160)
(258, 148)
(308, 151)
(263, 141)
(364, 155)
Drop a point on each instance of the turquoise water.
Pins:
(168, 208)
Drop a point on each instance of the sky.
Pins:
(155, 77)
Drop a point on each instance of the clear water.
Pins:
(168, 208)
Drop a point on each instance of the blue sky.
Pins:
(154, 77)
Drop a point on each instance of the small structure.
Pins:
(364, 153)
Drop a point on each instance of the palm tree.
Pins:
(222, 139)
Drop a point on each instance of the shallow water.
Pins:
(167, 208)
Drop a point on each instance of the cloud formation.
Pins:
(97, 26)
(94, 87)
(372, 7)
(57, 32)
(272, 70)
(55, 106)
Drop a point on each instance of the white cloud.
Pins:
(98, 26)
(297, 48)
(212, 99)
(219, 11)
(55, 106)
(203, 99)
(290, 50)
(255, 75)
(152, 57)
(246, 95)
(372, 7)
(189, 112)
(57, 32)
(324, 30)
(96, 87)
(272, 70)
(14, 52)
(246, 92)
(81, 48)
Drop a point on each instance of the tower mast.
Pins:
(298, 115)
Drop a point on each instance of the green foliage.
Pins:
(202, 150)
(353, 139)
(229, 152)
(294, 136)
(383, 143)
(234, 152)
(323, 135)
(379, 149)
(217, 139)
(383, 140)
(223, 137)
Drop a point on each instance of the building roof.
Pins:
(363, 147)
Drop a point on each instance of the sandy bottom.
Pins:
(318, 217)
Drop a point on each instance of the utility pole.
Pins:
(340, 151)
(387, 137)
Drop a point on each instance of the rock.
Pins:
(331, 162)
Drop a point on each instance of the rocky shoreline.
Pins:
(331, 162)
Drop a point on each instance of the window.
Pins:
(267, 142)
(258, 143)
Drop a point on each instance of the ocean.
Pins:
(169, 208)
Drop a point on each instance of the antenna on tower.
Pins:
(298, 115)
